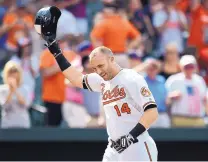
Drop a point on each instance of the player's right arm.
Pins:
(90, 81)
(75, 77)
(46, 25)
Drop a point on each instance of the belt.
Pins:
(141, 137)
(115, 145)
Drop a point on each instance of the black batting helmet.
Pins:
(46, 22)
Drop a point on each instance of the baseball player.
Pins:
(129, 106)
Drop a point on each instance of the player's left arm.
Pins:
(149, 117)
(144, 99)
(140, 93)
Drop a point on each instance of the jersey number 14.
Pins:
(124, 109)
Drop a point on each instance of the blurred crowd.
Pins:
(166, 41)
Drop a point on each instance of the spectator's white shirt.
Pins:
(28, 78)
(172, 33)
(14, 114)
(193, 93)
(66, 24)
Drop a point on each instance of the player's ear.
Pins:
(112, 59)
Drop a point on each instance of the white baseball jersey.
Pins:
(124, 99)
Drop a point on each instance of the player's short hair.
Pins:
(102, 49)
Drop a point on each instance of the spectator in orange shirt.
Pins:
(115, 32)
(54, 96)
(199, 35)
(199, 26)
(17, 23)
(187, 7)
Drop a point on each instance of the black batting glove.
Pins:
(124, 142)
(51, 42)
(54, 48)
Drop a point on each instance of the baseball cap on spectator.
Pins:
(84, 46)
(187, 60)
(134, 55)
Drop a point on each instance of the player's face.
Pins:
(101, 64)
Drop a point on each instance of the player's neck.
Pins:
(116, 70)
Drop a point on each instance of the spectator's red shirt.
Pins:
(199, 28)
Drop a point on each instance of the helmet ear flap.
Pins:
(55, 15)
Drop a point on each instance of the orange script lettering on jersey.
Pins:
(113, 95)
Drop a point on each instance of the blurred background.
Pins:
(166, 41)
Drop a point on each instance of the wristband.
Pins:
(137, 130)
(62, 62)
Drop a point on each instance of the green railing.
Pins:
(60, 134)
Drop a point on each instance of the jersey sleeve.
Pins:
(140, 93)
(93, 82)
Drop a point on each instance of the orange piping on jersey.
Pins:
(148, 103)
(116, 99)
(148, 152)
